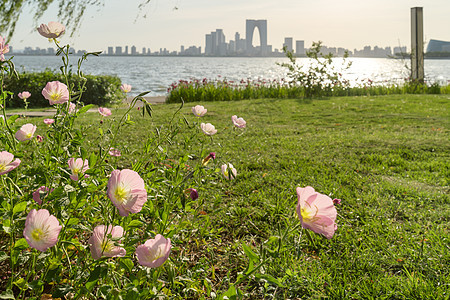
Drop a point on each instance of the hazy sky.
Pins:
(172, 23)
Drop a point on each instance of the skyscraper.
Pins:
(288, 43)
(250, 26)
(300, 48)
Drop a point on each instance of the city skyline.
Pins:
(299, 50)
(216, 44)
(170, 24)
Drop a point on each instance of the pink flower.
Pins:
(56, 92)
(26, 132)
(51, 31)
(104, 111)
(100, 245)
(77, 166)
(4, 48)
(126, 190)
(228, 171)
(72, 108)
(238, 122)
(6, 162)
(208, 129)
(114, 152)
(41, 229)
(37, 194)
(192, 193)
(199, 111)
(126, 88)
(206, 159)
(316, 212)
(24, 95)
(49, 121)
(336, 201)
(39, 138)
(154, 252)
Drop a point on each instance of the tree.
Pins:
(70, 12)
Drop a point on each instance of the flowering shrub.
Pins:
(98, 89)
(79, 226)
(224, 90)
(71, 214)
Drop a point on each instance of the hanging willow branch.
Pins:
(70, 12)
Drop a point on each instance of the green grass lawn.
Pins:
(386, 157)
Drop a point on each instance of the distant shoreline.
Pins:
(229, 56)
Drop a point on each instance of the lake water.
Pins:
(156, 73)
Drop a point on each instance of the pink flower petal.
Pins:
(316, 212)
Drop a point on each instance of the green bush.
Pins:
(99, 90)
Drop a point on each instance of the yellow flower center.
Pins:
(107, 246)
(154, 255)
(2, 168)
(37, 234)
(55, 96)
(308, 213)
(121, 194)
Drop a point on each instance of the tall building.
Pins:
(220, 36)
(213, 42)
(110, 51)
(288, 43)
(438, 46)
(144, 51)
(208, 44)
(400, 50)
(118, 50)
(126, 50)
(133, 50)
(300, 48)
(250, 26)
(221, 45)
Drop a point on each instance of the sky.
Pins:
(351, 24)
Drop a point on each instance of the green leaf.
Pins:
(8, 294)
(36, 285)
(135, 224)
(127, 264)
(95, 275)
(100, 131)
(7, 226)
(68, 188)
(85, 109)
(19, 207)
(231, 294)
(20, 244)
(250, 254)
(92, 160)
(270, 279)
(12, 119)
(21, 284)
(3, 256)
(73, 221)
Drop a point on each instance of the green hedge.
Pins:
(99, 90)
